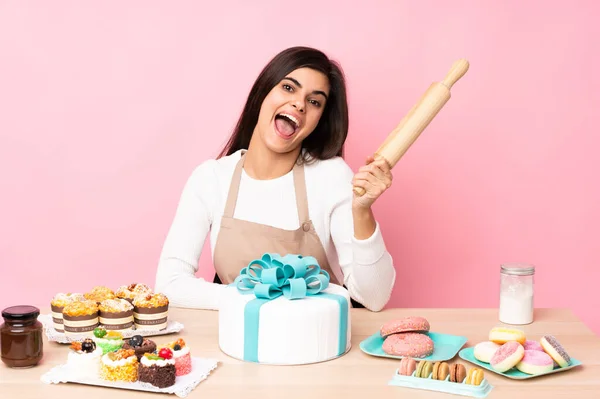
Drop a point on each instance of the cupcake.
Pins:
(80, 317)
(99, 294)
(83, 360)
(109, 341)
(158, 370)
(129, 292)
(150, 312)
(181, 354)
(121, 365)
(140, 345)
(57, 305)
(116, 314)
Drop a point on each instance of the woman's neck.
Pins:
(264, 164)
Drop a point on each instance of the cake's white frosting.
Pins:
(182, 352)
(296, 331)
(117, 363)
(84, 365)
(160, 363)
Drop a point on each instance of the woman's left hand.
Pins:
(374, 177)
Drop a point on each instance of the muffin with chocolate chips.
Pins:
(140, 345)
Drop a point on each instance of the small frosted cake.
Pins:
(99, 294)
(129, 292)
(150, 312)
(181, 354)
(109, 341)
(116, 314)
(84, 359)
(158, 370)
(121, 365)
(80, 317)
(57, 305)
(140, 345)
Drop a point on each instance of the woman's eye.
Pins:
(315, 103)
(287, 87)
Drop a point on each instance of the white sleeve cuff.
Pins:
(368, 251)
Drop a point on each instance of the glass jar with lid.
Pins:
(516, 293)
(21, 342)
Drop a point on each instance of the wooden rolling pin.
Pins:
(417, 119)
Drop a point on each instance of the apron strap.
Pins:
(301, 197)
(299, 187)
(234, 188)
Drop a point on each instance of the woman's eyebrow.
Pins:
(300, 86)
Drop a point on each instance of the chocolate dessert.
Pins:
(157, 370)
(140, 345)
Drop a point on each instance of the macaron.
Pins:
(407, 366)
(502, 335)
(556, 351)
(474, 377)
(405, 324)
(424, 369)
(410, 344)
(484, 351)
(441, 370)
(458, 373)
(507, 356)
(535, 362)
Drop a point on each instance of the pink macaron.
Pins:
(535, 362)
(507, 356)
(405, 324)
(408, 344)
(407, 366)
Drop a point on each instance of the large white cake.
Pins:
(284, 331)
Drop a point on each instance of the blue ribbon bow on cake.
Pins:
(273, 275)
(292, 276)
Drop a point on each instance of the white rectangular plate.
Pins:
(184, 384)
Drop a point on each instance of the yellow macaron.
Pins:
(475, 376)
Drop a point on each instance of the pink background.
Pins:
(105, 110)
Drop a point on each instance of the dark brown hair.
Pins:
(327, 140)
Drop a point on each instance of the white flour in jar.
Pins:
(516, 308)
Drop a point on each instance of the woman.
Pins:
(281, 185)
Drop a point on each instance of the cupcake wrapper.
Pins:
(57, 317)
(80, 324)
(150, 318)
(116, 320)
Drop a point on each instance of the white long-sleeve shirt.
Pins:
(365, 266)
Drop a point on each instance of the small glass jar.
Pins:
(21, 343)
(516, 293)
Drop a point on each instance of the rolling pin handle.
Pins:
(458, 69)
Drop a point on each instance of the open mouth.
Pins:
(286, 124)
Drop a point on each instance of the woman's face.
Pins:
(292, 110)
